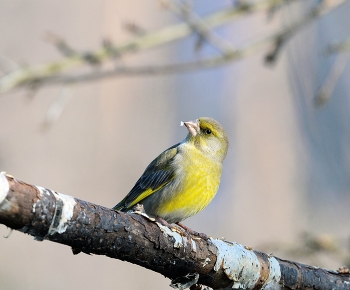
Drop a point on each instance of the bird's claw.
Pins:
(192, 232)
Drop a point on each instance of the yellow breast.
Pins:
(199, 181)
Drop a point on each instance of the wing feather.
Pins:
(157, 174)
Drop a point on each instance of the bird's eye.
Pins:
(207, 131)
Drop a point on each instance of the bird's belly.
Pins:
(190, 196)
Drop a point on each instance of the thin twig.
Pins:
(196, 23)
(328, 86)
(275, 6)
(45, 71)
(319, 10)
(60, 44)
(134, 28)
(182, 67)
(49, 73)
(339, 47)
(56, 107)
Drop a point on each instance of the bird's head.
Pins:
(208, 136)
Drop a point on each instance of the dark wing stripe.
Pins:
(155, 179)
(158, 173)
(151, 181)
(135, 191)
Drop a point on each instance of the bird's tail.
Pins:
(120, 206)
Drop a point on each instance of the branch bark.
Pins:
(187, 260)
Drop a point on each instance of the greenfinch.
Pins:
(183, 179)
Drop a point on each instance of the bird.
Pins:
(184, 178)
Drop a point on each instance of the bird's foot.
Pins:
(163, 222)
(192, 232)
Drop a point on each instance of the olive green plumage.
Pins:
(183, 179)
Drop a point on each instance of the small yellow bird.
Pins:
(183, 179)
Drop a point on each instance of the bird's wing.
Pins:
(157, 174)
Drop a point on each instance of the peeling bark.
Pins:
(133, 237)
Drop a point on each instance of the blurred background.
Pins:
(285, 184)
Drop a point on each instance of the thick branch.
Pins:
(136, 238)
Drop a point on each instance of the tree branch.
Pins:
(52, 73)
(136, 238)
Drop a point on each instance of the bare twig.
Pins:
(23, 76)
(68, 51)
(186, 66)
(343, 46)
(134, 28)
(196, 23)
(319, 10)
(342, 58)
(325, 92)
(49, 73)
(275, 6)
(57, 107)
(60, 44)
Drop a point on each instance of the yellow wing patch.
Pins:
(145, 194)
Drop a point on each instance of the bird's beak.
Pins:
(192, 127)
